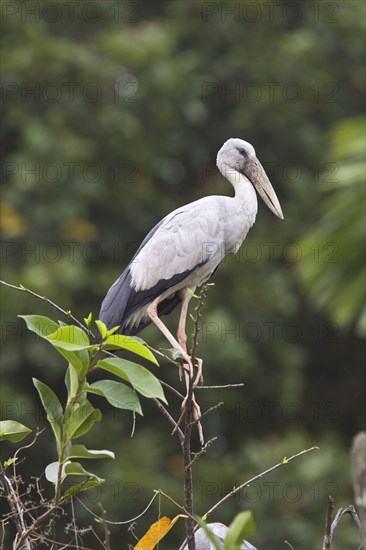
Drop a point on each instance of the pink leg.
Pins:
(153, 314)
(182, 337)
(181, 332)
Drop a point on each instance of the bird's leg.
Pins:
(182, 336)
(181, 332)
(152, 312)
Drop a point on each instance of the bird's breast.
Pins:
(237, 225)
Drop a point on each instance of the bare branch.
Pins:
(107, 532)
(129, 521)
(173, 390)
(15, 505)
(328, 525)
(209, 411)
(240, 385)
(339, 515)
(175, 503)
(170, 419)
(266, 472)
(48, 301)
(201, 452)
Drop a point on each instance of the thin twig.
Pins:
(201, 452)
(37, 522)
(288, 544)
(197, 319)
(48, 301)
(18, 512)
(162, 408)
(339, 515)
(170, 419)
(100, 519)
(107, 532)
(240, 385)
(173, 390)
(328, 524)
(240, 487)
(213, 408)
(237, 489)
(73, 522)
(176, 504)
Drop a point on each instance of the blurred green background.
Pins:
(113, 113)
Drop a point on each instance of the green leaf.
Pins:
(69, 338)
(9, 462)
(80, 451)
(82, 417)
(71, 382)
(68, 468)
(117, 394)
(103, 331)
(112, 330)
(76, 469)
(88, 319)
(130, 344)
(46, 328)
(284, 460)
(83, 486)
(139, 377)
(52, 406)
(192, 294)
(79, 358)
(11, 430)
(41, 325)
(240, 528)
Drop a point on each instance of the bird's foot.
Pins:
(196, 413)
(199, 375)
(184, 365)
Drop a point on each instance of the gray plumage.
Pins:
(184, 249)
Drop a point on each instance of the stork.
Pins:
(184, 249)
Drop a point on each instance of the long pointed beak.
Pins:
(257, 175)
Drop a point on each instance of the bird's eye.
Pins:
(243, 152)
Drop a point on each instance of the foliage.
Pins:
(341, 223)
(13, 431)
(78, 416)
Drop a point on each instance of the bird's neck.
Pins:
(245, 194)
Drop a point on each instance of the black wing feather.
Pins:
(122, 299)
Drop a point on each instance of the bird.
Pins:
(184, 249)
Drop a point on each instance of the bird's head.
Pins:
(239, 156)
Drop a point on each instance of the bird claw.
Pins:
(186, 367)
(198, 365)
(199, 375)
(196, 413)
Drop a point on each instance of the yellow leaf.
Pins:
(156, 533)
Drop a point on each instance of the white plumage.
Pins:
(186, 247)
